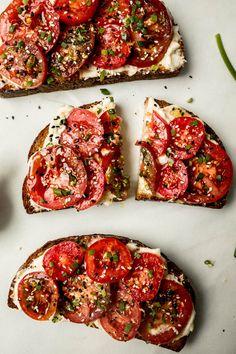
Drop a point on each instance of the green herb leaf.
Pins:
(50, 80)
(124, 36)
(151, 273)
(153, 18)
(105, 92)
(209, 263)
(137, 255)
(219, 178)
(101, 30)
(51, 264)
(122, 306)
(21, 44)
(64, 45)
(188, 147)
(102, 77)
(91, 252)
(61, 192)
(25, 2)
(12, 29)
(42, 34)
(173, 132)
(225, 56)
(4, 56)
(29, 83)
(50, 37)
(199, 176)
(194, 123)
(128, 327)
(154, 67)
(75, 265)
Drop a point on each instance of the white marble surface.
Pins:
(189, 235)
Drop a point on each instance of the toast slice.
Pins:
(172, 274)
(86, 70)
(99, 143)
(182, 159)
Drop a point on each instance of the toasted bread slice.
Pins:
(168, 113)
(111, 193)
(172, 271)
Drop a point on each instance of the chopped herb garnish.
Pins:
(102, 76)
(101, 30)
(171, 162)
(208, 157)
(150, 273)
(50, 80)
(61, 192)
(50, 37)
(105, 91)
(29, 83)
(104, 52)
(42, 35)
(87, 137)
(31, 61)
(153, 18)
(91, 252)
(128, 327)
(4, 56)
(12, 29)
(219, 178)
(209, 263)
(188, 147)
(64, 274)
(25, 2)
(19, 10)
(122, 305)
(200, 159)
(225, 56)
(64, 45)
(173, 132)
(194, 123)
(154, 67)
(190, 100)
(199, 176)
(75, 265)
(20, 44)
(51, 264)
(137, 255)
(124, 36)
(115, 258)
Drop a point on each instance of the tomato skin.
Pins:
(95, 186)
(85, 300)
(111, 10)
(210, 174)
(152, 33)
(84, 132)
(73, 48)
(158, 134)
(122, 322)
(143, 281)
(26, 66)
(173, 180)
(38, 296)
(57, 178)
(75, 12)
(108, 260)
(188, 134)
(168, 315)
(113, 50)
(62, 260)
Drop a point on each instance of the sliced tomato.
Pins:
(151, 31)
(22, 63)
(168, 315)
(158, 132)
(113, 46)
(85, 299)
(73, 49)
(35, 21)
(123, 317)
(84, 132)
(57, 178)
(108, 260)
(75, 12)
(62, 260)
(148, 165)
(38, 296)
(111, 122)
(210, 174)
(143, 281)
(111, 10)
(95, 187)
(187, 135)
(173, 180)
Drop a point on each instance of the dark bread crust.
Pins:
(216, 205)
(37, 145)
(75, 82)
(83, 240)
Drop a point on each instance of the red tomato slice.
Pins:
(111, 10)
(38, 296)
(86, 300)
(84, 132)
(168, 315)
(9, 18)
(23, 64)
(62, 260)
(111, 122)
(74, 46)
(158, 134)
(148, 166)
(143, 281)
(108, 260)
(173, 180)
(95, 187)
(75, 12)
(113, 46)
(123, 317)
(187, 135)
(210, 174)
(57, 178)
(151, 31)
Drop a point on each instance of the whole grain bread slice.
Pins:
(36, 146)
(84, 241)
(216, 205)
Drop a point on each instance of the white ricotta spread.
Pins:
(172, 60)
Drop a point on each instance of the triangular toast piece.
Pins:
(81, 299)
(45, 47)
(76, 160)
(182, 159)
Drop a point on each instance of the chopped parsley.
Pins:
(102, 77)
(105, 91)
(128, 327)
(150, 273)
(209, 263)
(91, 252)
(194, 123)
(60, 192)
(199, 176)
(188, 147)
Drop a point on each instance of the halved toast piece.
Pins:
(182, 159)
(81, 68)
(94, 139)
(172, 275)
